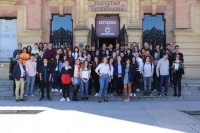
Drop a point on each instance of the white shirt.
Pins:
(22, 70)
(148, 69)
(75, 55)
(85, 73)
(111, 70)
(103, 69)
(57, 66)
(140, 64)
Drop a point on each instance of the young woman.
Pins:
(70, 58)
(123, 57)
(65, 52)
(135, 68)
(117, 52)
(63, 60)
(35, 50)
(143, 53)
(103, 71)
(29, 49)
(178, 70)
(118, 66)
(95, 76)
(128, 54)
(56, 66)
(111, 84)
(107, 54)
(127, 74)
(147, 71)
(155, 78)
(114, 56)
(66, 79)
(80, 56)
(76, 79)
(85, 75)
(85, 54)
(135, 49)
(75, 52)
(89, 59)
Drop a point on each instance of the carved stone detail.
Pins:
(9, 1)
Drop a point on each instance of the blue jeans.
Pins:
(103, 80)
(163, 79)
(29, 84)
(84, 86)
(147, 85)
(55, 79)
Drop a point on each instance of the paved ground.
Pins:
(92, 117)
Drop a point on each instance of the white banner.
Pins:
(8, 38)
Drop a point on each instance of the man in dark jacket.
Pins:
(39, 64)
(45, 73)
(19, 74)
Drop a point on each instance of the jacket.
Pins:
(49, 71)
(115, 73)
(39, 62)
(17, 72)
(66, 75)
(130, 72)
(71, 61)
(31, 67)
(54, 65)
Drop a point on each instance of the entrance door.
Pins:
(107, 41)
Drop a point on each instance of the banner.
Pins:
(8, 38)
(107, 26)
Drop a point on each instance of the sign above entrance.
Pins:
(107, 26)
(107, 6)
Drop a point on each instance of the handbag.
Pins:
(181, 71)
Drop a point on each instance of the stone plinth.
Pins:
(134, 35)
(81, 36)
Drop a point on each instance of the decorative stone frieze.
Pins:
(9, 1)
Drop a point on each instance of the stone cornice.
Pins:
(9, 1)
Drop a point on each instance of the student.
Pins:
(125, 48)
(29, 49)
(168, 46)
(76, 79)
(50, 53)
(107, 55)
(62, 65)
(90, 79)
(155, 78)
(128, 54)
(114, 56)
(40, 46)
(110, 49)
(135, 49)
(162, 71)
(177, 52)
(35, 50)
(45, 47)
(85, 75)
(95, 76)
(65, 52)
(40, 63)
(56, 69)
(70, 58)
(178, 71)
(24, 56)
(80, 56)
(146, 46)
(92, 52)
(85, 54)
(118, 75)
(111, 84)
(98, 55)
(19, 74)
(31, 67)
(117, 47)
(103, 71)
(147, 72)
(123, 57)
(75, 52)
(135, 69)
(103, 50)
(122, 49)
(127, 74)
(18, 50)
(139, 71)
(45, 73)
(66, 79)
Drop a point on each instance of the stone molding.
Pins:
(9, 1)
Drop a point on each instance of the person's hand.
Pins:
(158, 76)
(72, 79)
(119, 76)
(100, 74)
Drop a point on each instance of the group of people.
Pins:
(105, 69)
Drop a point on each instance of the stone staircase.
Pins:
(190, 92)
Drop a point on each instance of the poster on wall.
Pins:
(8, 38)
(107, 26)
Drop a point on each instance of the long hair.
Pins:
(103, 59)
(135, 63)
(83, 65)
(150, 59)
(137, 49)
(94, 63)
(75, 48)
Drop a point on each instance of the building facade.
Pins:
(92, 22)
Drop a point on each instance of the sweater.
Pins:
(31, 68)
(162, 67)
(49, 54)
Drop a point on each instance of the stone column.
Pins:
(81, 20)
(134, 35)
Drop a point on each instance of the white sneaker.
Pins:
(56, 90)
(68, 99)
(154, 90)
(131, 94)
(134, 94)
(96, 95)
(138, 90)
(60, 90)
(63, 99)
(38, 89)
(52, 90)
(125, 100)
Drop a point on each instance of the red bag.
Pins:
(66, 79)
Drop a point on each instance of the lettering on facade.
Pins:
(107, 6)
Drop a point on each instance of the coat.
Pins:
(130, 72)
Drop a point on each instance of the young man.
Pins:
(39, 64)
(45, 47)
(168, 46)
(98, 55)
(18, 50)
(110, 49)
(12, 70)
(35, 50)
(117, 47)
(146, 46)
(19, 74)
(45, 73)
(125, 48)
(122, 49)
(24, 56)
(162, 71)
(159, 51)
(30, 77)
(92, 51)
(50, 53)
(177, 52)
(40, 46)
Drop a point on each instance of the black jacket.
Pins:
(54, 65)
(12, 66)
(48, 70)
(68, 71)
(39, 62)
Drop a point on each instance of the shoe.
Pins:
(73, 99)
(131, 94)
(41, 99)
(62, 99)
(38, 90)
(175, 95)
(96, 95)
(111, 95)
(145, 95)
(48, 99)
(179, 94)
(60, 90)
(134, 94)
(52, 90)
(17, 100)
(166, 94)
(128, 100)
(125, 100)
(32, 95)
(82, 99)
(56, 90)
(86, 99)
(21, 99)
(154, 90)
(25, 95)
(99, 99)
(68, 99)
(138, 90)
(76, 99)
(108, 95)
(159, 95)
(150, 95)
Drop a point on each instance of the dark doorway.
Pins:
(107, 41)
